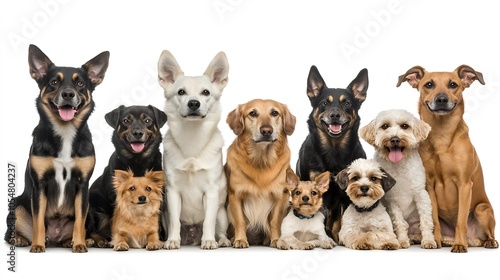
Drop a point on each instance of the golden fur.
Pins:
(135, 222)
(256, 167)
(461, 211)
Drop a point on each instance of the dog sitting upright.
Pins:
(53, 206)
(396, 134)
(333, 142)
(462, 213)
(366, 225)
(303, 228)
(136, 138)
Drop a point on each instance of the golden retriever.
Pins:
(256, 166)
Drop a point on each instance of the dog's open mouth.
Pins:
(66, 112)
(441, 109)
(335, 129)
(395, 154)
(137, 146)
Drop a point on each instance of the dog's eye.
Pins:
(453, 85)
(429, 84)
(205, 92)
(297, 192)
(313, 193)
(147, 121)
(54, 82)
(181, 92)
(79, 83)
(405, 126)
(373, 178)
(131, 189)
(355, 178)
(252, 114)
(148, 189)
(347, 104)
(274, 113)
(126, 121)
(384, 126)
(325, 103)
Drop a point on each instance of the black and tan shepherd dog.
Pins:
(136, 138)
(333, 142)
(53, 207)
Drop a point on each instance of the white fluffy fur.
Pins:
(408, 202)
(299, 233)
(196, 187)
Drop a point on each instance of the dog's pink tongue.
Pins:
(336, 128)
(137, 146)
(67, 114)
(395, 154)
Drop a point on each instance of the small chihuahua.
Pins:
(135, 220)
(303, 228)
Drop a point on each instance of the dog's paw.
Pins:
(428, 244)
(447, 241)
(172, 244)
(491, 244)
(79, 248)
(209, 245)
(282, 245)
(404, 243)
(153, 246)
(274, 243)
(19, 241)
(459, 248)
(67, 244)
(37, 248)
(327, 244)
(362, 246)
(224, 242)
(89, 242)
(121, 246)
(240, 244)
(389, 246)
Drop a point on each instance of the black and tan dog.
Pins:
(333, 142)
(53, 206)
(136, 138)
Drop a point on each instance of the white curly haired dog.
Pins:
(395, 134)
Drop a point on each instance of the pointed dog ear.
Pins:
(121, 176)
(292, 180)
(96, 68)
(342, 179)
(235, 120)
(38, 62)
(315, 83)
(359, 85)
(218, 70)
(412, 76)
(323, 182)
(168, 69)
(367, 133)
(468, 75)
(158, 177)
(113, 117)
(387, 181)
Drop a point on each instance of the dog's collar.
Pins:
(300, 216)
(366, 209)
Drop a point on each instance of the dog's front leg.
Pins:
(81, 208)
(464, 201)
(174, 219)
(435, 213)
(235, 210)
(38, 208)
(210, 205)
(277, 215)
(423, 202)
(400, 224)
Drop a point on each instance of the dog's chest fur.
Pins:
(360, 222)
(64, 162)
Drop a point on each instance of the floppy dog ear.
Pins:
(387, 181)
(113, 117)
(323, 182)
(359, 85)
(315, 83)
(235, 121)
(158, 177)
(39, 63)
(289, 121)
(168, 69)
(121, 176)
(342, 179)
(96, 68)
(160, 116)
(412, 76)
(218, 70)
(292, 180)
(468, 75)
(367, 132)
(421, 130)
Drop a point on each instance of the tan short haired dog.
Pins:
(461, 211)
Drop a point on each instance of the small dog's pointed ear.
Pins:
(168, 69)
(359, 85)
(292, 180)
(218, 70)
(323, 182)
(412, 76)
(38, 62)
(468, 75)
(367, 132)
(158, 177)
(160, 116)
(235, 120)
(289, 121)
(421, 129)
(121, 176)
(315, 83)
(342, 179)
(113, 117)
(96, 68)
(387, 181)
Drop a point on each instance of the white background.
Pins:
(270, 46)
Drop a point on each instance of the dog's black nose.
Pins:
(395, 141)
(193, 104)
(266, 130)
(335, 114)
(68, 94)
(364, 189)
(142, 199)
(442, 98)
(138, 133)
(305, 198)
